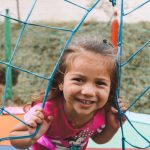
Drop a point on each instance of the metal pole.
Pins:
(18, 9)
(7, 34)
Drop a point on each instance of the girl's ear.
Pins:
(60, 86)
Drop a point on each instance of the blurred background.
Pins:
(40, 47)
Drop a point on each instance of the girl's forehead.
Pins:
(90, 59)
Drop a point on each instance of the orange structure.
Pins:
(114, 30)
(7, 122)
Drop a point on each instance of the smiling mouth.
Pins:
(86, 102)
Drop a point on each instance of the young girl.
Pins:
(81, 103)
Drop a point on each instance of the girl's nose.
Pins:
(88, 90)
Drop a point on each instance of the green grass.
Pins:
(39, 49)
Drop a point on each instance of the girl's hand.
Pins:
(112, 116)
(112, 124)
(37, 117)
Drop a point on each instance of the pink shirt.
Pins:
(61, 135)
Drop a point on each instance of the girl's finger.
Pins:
(32, 124)
(114, 110)
(35, 119)
(38, 120)
(120, 99)
(39, 114)
(123, 119)
(50, 119)
(121, 104)
(123, 108)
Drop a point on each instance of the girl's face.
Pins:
(86, 85)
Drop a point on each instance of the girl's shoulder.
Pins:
(53, 106)
(53, 102)
(49, 104)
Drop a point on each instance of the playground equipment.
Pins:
(114, 29)
(120, 64)
(7, 57)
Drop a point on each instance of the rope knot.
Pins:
(113, 2)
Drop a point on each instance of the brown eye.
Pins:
(78, 80)
(100, 83)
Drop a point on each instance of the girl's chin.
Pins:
(84, 112)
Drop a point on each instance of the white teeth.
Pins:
(86, 102)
